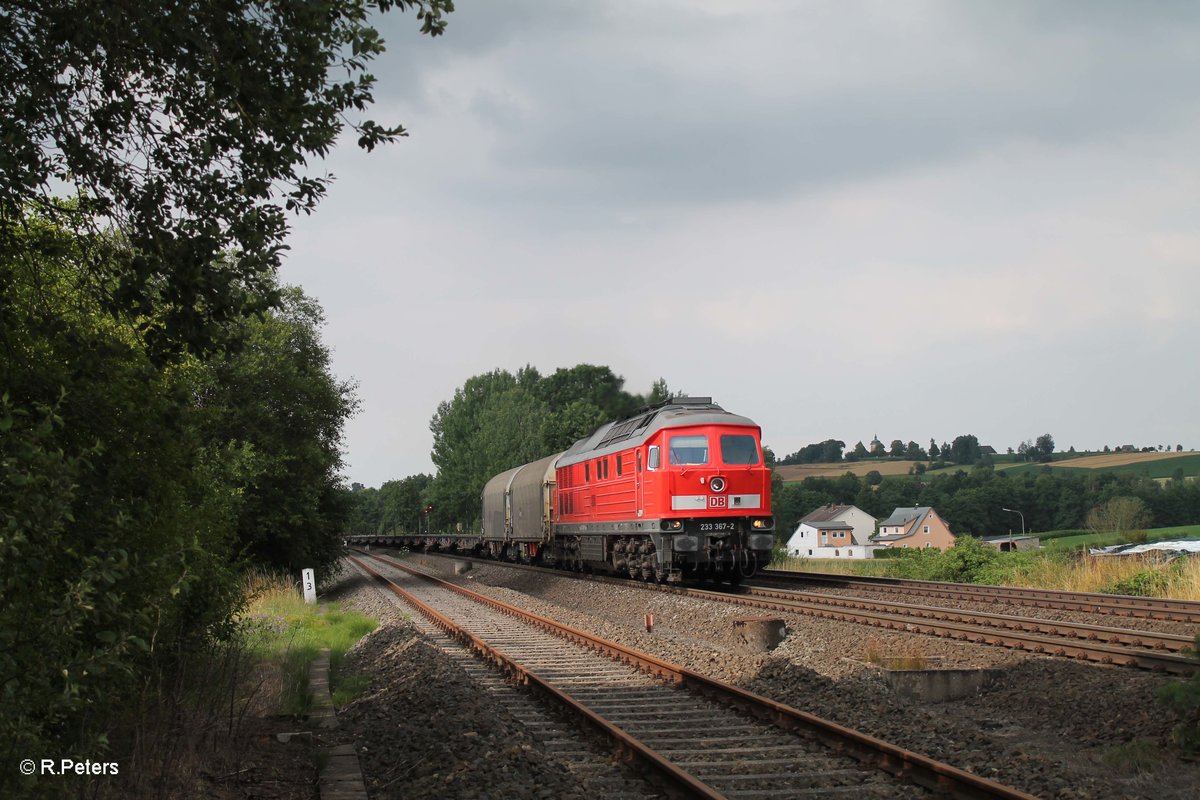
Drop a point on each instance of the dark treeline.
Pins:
(964, 450)
(972, 502)
(167, 413)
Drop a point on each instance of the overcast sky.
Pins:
(840, 219)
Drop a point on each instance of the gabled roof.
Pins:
(824, 513)
(903, 516)
(909, 518)
(831, 525)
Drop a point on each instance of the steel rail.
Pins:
(1087, 651)
(1126, 605)
(905, 764)
(626, 744)
(842, 609)
(1072, 630)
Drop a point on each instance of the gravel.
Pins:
(1051, 727)
(422, 729)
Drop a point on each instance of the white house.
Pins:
(834, 532)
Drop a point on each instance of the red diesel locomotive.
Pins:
(675, 491)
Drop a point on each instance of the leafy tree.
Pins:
(1119, 514)
(115, 522)
(364, 515)
(128, 490)
(1044, 447)
(873, 478)
(964, 449)
(586, 383)
(142, 448)
(276, 401)
(934, 451)
(659, 392)
(569, 424)
(916, 452)
(824, 452)
(769, 457)
(498, 420)
(187, 127)
(402, 502)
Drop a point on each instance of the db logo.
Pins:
(715, 501)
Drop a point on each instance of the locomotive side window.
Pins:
(652, 457)
(689, 450)
(738, 449)
(618, 465)
(587, 472)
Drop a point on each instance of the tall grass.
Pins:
(1148, 574)
(287, 635)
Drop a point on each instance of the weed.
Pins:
(1139, 756)
(290, 633)
(348, 687)
(1183, 697)
(1148, 583)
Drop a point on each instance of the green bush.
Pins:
(1147, 583)
(915, 564)
(966, 561)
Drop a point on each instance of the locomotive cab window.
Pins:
(652, 457)
(689, 450)
(738, 449)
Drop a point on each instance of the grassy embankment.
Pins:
(1058, 566)
(287, 634)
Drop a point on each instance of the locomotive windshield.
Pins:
(738, 449)
(689, 450)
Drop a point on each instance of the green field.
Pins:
(1163, 468)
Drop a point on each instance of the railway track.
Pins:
(1121, 605)
(705, 738)
(586, 757)
(1150, 650)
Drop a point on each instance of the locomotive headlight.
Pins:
(717, 484)
(759, 523)
(671, 524)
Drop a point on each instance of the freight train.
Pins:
(675, 491)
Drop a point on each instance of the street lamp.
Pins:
(1014, 511)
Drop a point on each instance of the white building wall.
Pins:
(852, 551)
(804, 539)
(862, 522)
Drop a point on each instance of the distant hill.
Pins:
(1154, 465)
(798, 472)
